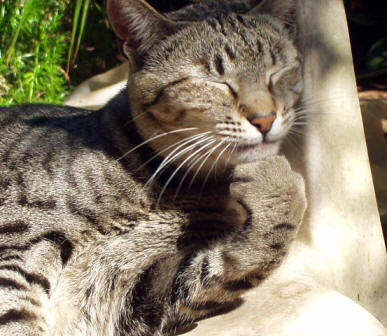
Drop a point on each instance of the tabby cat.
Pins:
(167, 204)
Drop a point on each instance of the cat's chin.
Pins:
(255, 153)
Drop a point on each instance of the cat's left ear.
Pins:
(284, 10)
(138, 25)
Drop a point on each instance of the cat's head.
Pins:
(221, 85)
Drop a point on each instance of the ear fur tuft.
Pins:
(285, 10)
(138, 25)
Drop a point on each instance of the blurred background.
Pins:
(48, 47)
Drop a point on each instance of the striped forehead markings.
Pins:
(218, 62)
(230, 53)
(160, 92)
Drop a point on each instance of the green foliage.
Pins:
(77, 13)
(48, 46)
(369, 30)
(97, 49)
(33, 45)
(377, 55)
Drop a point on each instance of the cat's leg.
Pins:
(95, 293)
(273, 198)
(22, 295)
(27, 275)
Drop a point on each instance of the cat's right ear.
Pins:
(138, 25)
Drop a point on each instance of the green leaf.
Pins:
(77, 12)
(86, 6)
(27, 7)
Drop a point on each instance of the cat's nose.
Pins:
(263, 124)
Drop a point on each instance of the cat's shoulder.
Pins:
(25, 112)
(35, 126)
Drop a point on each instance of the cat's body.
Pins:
(86, 249)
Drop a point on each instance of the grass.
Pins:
(49, 46)
(32, 49)
(78, 30)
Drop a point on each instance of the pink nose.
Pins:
(263, 124)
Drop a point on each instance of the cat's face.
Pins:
(224, 88)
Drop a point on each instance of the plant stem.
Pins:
(86, 6)
(16, 33)
(73, 33)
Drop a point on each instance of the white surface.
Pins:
(291, 303)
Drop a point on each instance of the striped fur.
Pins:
(155, 210)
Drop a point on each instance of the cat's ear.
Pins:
(138, 25)
(285, 10)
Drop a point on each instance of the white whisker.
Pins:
(185, 140)
(229, 157)
(191, 165)
(296, 131)
(214, 164)
(302, 117)
(154, 138)
(179, 167)
(291, 139)
(317, 98)
(135, 118)
(205, 159)
(171, 157)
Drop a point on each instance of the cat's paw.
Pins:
(271, 192)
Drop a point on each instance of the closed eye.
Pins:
(229, 87)
(232, 90)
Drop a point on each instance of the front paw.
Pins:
(270, 191)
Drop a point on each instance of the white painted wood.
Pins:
(342, 221)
